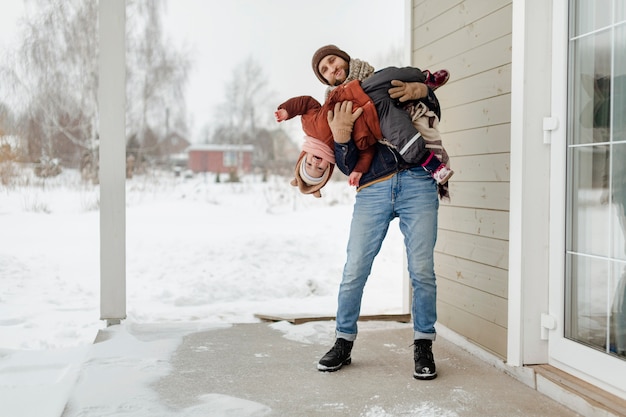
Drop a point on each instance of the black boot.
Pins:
(336, 357)
(424, 360)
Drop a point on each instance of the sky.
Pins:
(200, 255)
(281, 35)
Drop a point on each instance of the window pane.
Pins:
(619, 85)
(619, 201)
(230, 159)
(589, 200)
(617, 328)
(618, 157)
(590, 15)
(586, 304)
(620, 11)
(591, 75)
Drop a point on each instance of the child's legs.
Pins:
(398, 129)
(427, 126)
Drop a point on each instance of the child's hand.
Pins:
(281, 115)
(354, 178)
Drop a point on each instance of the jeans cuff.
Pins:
(350, 337)
(421, 336)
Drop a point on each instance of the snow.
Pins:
(200, 255)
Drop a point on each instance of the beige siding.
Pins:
(487, 195)
(472, 39)
(486, 250)
(482, 222)
(479, 141)
(488, 279)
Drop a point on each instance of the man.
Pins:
(390, 188)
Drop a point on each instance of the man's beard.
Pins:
(342, 76)
(340, 79)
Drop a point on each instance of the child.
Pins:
(396, 123)
(315, 124)
(314, 166)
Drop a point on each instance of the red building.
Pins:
(220, 158)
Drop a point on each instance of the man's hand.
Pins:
(342, 120)
(407, 91)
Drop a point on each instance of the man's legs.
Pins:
(370, 222)
(417, 206)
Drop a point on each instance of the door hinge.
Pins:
(549, 124)
(548, 323)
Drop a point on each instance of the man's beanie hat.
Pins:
(323, 52)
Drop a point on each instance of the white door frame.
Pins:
(529, 188)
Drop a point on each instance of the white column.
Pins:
(111, 107)
(407, 288)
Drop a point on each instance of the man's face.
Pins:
(334, 69)
(314, 165)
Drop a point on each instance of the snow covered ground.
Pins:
(199, 254)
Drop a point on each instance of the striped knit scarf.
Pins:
(359, 70)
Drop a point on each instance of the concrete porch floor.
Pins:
(255, 362)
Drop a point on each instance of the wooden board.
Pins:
(299, 319)
(590, 393)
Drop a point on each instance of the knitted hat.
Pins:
(303, 186)
(323, 52)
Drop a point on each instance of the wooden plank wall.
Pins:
(472, 39)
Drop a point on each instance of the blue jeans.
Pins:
(410, 195)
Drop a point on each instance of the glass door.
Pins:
(592, 340)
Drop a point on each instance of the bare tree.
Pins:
(157, 73)
(54, 78)
(245, 103)
(7, 121)
(245, 113)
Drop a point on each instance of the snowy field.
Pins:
(199, 254)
